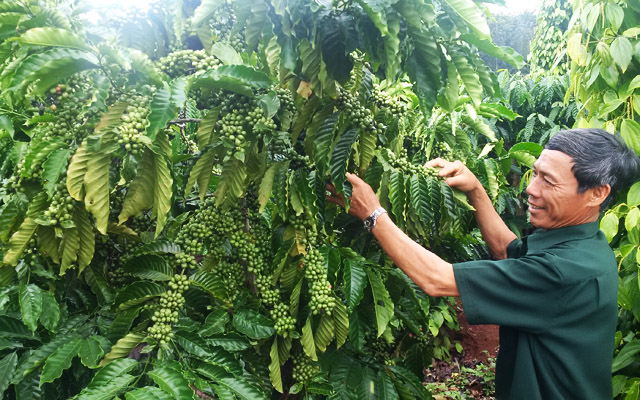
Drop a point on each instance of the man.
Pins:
(553, 293)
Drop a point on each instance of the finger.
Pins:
(448, 170)
(436, 163)
(336, 195)
(331, 189)
(454, 181)
(339, 200)
(451, 181)
(354, 179)
(451, 169)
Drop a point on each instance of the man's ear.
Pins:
(599, 194)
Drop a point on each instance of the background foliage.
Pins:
(515, 31)
(548, 47)
(164, 229)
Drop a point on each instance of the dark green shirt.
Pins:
(555, 299)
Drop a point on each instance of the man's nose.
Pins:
(532, 187)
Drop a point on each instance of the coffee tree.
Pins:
(548, 47)
(163, 219)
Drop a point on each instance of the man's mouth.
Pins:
(534, 207)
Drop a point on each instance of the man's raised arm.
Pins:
(494, 231)
(430, 272)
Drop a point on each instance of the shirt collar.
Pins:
(541, 239)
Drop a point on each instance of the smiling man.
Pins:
(553, 293)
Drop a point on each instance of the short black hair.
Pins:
(599, 158)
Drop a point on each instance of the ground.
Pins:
(478, 341)
(468, 375)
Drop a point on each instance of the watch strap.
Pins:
(370, 221)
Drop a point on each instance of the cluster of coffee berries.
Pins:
(236, 41)
(167, 310)
(179, 283)
(403, 165)
(116, 199)
(281, 149)
(186, 261)
(222, 21)
(61, 207)
(66, 103)
(384, 100)
(118, 276)
(286, 99)
(303, 223)
(298, 161)
(269, 295)
(232, 275)
(442, 150)
(382, 351)
(237, 241)
(31, 250)
(14, 180)
(134, 123)
(322, 298)
(142, 223)
(359, 115)
(187, 62)
(240, 118)
(207, 225)
(278, 310)
(230, 250)
(303, 368)
(284, 322)
(113, 247)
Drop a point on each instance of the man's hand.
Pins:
(456, 175)
(494, 231)
(363, 199)
(430, 272)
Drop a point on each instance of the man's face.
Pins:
(554, 200)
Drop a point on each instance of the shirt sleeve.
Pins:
(518, 292)
(514, 249)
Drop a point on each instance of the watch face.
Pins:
(368, 222)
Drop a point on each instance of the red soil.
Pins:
(478, 341)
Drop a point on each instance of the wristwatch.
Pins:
(370, 221)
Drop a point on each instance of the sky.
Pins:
(516, 6)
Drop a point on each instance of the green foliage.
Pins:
(163, 223)
(548, 48)
(539, 101)
(462, 381)
(606, 62)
